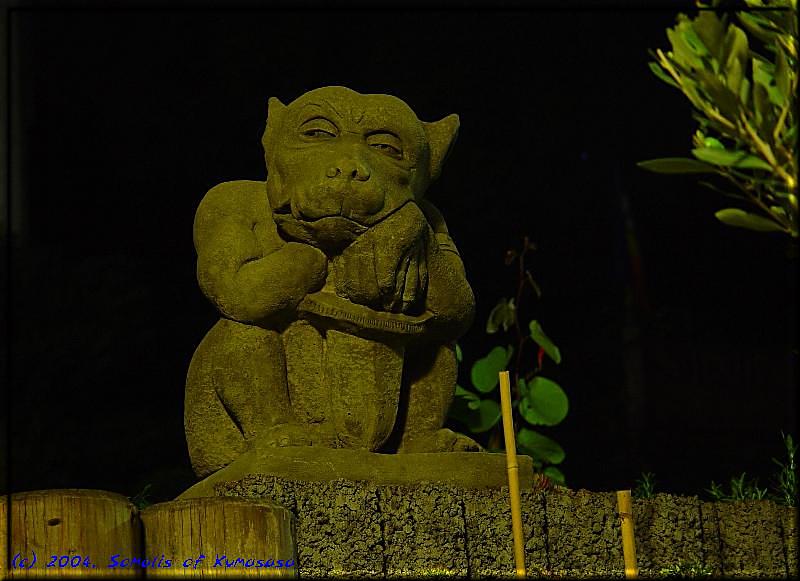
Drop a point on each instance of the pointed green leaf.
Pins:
(742, 219)
(694, 42)
(676, 165)
(503, 315)
(546, 404)
(722, 157)
(734, 76)
(661, 74)
(754, 24)
(735, 48)
(485, 371)
(712, 143)
(459, 354)
(533, 283)
(744, 91)
(782, 75)
(763, 75)
(711, 31)
(760, 103)
(720, 96)
(540, 447)
(683, 51)
(543, 341)
(555, 475)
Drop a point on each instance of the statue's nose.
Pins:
(352, 169)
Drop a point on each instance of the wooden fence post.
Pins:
(68, 533)
(220, 537)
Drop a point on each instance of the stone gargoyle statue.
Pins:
(340, 290)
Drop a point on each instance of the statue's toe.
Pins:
(284, 435)
(443, 440)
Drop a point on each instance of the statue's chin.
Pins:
(330, 234)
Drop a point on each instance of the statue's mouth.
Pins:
(331, 233)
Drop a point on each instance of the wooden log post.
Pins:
(68, 533)
(220, 537)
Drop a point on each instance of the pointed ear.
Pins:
(441, 137)
(275, 111)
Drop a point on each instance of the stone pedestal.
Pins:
(470, 470)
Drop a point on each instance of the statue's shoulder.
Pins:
(236, 198)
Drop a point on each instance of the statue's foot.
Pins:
(286, 435)
(442, 440)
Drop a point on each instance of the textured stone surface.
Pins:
(789, 528)
(348, 528)
(712, 543)
(583, 534)
(340, 291)
(667, 531)
(751, 539)
(464, 469)
(416, 521)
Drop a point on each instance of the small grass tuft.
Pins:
(685, 571)
(645, 486)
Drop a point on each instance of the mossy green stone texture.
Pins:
(347, 528)
(340, 291)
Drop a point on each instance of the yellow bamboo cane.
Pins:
(628, 545)
(513, 473)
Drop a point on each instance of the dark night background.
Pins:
(122, 120)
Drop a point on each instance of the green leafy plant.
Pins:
(744, 103)
(740, 489)
(686, 571)
(536, 400)
(645, 486)
(141, 499)
(784, 489)
(785, 483)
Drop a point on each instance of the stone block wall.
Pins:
(349, 528)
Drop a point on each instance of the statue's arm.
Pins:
(243, 281)
(449, 296)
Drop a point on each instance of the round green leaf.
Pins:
(522, 386)
(555, 475)
(538, 335)
(485, 371)
(478, 418)
(546, 403)
(473, 401)
(676, 165)
(487, 415)
(459, 410)
(540, 447)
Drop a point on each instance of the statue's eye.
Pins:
(318, 128)
(386, 143)
(318, 133)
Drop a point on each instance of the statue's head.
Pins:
(339, 162)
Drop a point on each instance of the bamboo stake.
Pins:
(513, 473)
(628, 545)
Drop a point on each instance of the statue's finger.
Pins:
(410, 290)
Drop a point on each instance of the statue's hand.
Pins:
(386, 267)
(312, 261)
